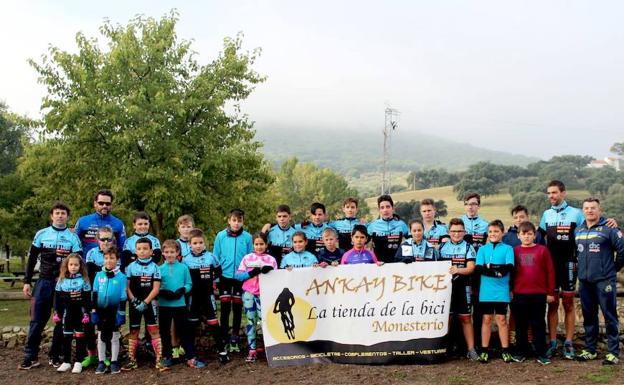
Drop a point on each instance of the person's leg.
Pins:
(40, 310)
(568, 292)
(133, 338)
(607, 295)
(503, 330)
(466, 322)
(519, 310)
(535, 310)
(250, 314)
(589, 307)
(151, 322)
(237, 313)
(225, 296)
(486, 330)
(165, 318)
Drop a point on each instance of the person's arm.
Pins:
(33, 255)
(121, 236)
(94, 294)
(86, 298)
(550, 273)
(129, 294)
(617, 240)
(154, 293)
(188, 282)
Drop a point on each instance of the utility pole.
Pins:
(391, 123)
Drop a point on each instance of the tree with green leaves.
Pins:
(301, 184)
(144, 118)
(411, 210)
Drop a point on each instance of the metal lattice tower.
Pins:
(391, 124)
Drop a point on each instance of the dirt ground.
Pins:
(455, 372)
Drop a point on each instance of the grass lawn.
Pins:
(14, 313)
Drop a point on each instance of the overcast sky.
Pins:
(533, 77)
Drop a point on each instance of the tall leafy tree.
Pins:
(146, 119)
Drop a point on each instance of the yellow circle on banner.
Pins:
(293, 326)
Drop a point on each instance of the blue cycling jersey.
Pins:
(280, 241)
(295, 259)
(88, 225)
(204, 269)
(129, 249)
(142, 274)
(230, 248)
(344, 227)
(73, 291)
(459, 254)
(476, 230)
(436, 233)
(109, 289)
(495, 255)
(559, 223)
(185, 247)
(387, 235)
(50, 246)
(314, 233)
(330, 256)
(411, 251)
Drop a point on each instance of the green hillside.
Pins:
(352, 153)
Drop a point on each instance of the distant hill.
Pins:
(352, 153)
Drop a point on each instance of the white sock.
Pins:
(115, 346)
(101, 348)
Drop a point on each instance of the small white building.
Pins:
(612, 161)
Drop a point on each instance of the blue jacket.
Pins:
(295, 259)
(595, 248)
(230, 248)
(387, 235)
(174, 276)
(129, 249)
(559, 224)
(88, 225)
(344, 227)
(109, 289)
(511, 237)
(95, 261)
(410, 251)
(50, 246)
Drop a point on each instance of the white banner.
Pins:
(356, 313)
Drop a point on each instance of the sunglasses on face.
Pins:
(105, 239)
(105, 203)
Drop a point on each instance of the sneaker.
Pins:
(65, 366)
(552, 349)
(130, 365)
(162, 365)
(196, 363)
(224, 358)
(611, 359)
(55, 362)
(507, 357)
(472, 355)
(518, 358)
(175, 353)
(484, 357)
(101, 368)
(114, 367)
(586, 355)
(181, 351)
(88, 361)
(28, 364)
(252, 356)
(77, 368)
(233, 346)
(543, 360)
(568, 350)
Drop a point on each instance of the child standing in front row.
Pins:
(533, 287)
(258, 262)
(299, 257)
(143, 286)
(330, 254)
(495, 263)
(175, 283)
(109, 309)
(359, 253)
(71, 307)
(417, 248)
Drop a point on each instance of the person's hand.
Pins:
(289, 268)
(94, 318)
(27, 290)
(335, 263)
(612, 223)
(56, 318)
(323, 264)
(121, 318)
(180, 292)
(380, 263)
(550, 298)
(85, 318)
(453, 270)
(254, 272)
(266, 268)
(408, 260)
(266, 228)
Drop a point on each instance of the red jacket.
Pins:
(534, 272)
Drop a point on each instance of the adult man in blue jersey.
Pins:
(50, 246)
(88, 225)
(557, 226)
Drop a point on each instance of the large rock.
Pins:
(12, 341)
